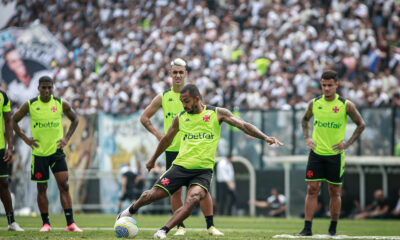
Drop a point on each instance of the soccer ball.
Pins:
(126, 227)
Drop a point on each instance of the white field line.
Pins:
(321, 236)
(154, 229)
(280, 236)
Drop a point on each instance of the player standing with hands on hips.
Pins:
(47, 145)
(327, 145)
(6, 158)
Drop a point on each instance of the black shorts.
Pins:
(128, 196)
(3, 165)
(40, 166)
(169, 158)
(177, 176)
(325, 168)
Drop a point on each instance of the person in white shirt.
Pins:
(276, 203)
(226, 185)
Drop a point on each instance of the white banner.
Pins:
(122, 140)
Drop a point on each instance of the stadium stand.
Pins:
(249, 54)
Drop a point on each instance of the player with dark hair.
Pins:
(200, 128)
(327, 145)
(171, 105)
(47, 146)
(6, 157)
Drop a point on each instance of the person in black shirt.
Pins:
(379, 208)
(131, 186)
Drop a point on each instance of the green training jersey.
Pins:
(5, 107)
(46, 124)
(330, 119)
(171, 105)
(200, 134)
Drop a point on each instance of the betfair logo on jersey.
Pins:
(326, 124)
(46, 125)
(198, 136)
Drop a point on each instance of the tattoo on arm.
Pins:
(226, 116)
(147, 123)
(253, 131)
(357, 119)
(305, 121)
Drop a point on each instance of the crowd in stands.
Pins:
(244, 54)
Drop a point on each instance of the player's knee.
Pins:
(64, 186)
(334, 191)
(313, 189)
(42, 188)
(194, 198)
(147, 195)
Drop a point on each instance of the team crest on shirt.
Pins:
(206, 118)
(335, 109)
(165, 181)
(53, 109)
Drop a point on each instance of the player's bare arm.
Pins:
(164, 142)
(21, 112)
(150, 110)
(358, 120)
(71, 115)
(224, 115)
(306, 126)
(8, 157)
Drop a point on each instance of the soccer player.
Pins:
(5, 158)
(47, 146)
(171, 105)
(327, 145)
(199, 128)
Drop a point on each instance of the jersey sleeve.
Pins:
(6, 104)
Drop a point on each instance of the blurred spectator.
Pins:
(131, 184)
(276, 203)
(379, 208)
(226, 185)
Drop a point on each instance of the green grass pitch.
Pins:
(98, 226)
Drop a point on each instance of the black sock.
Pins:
(332, 227)
(307, 225)
(131, 210)
(69, 216)
(180, 225)
(10, 217)
(165, 228)
(209, 221)
(45, 218)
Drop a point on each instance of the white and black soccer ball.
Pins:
(126, 227)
